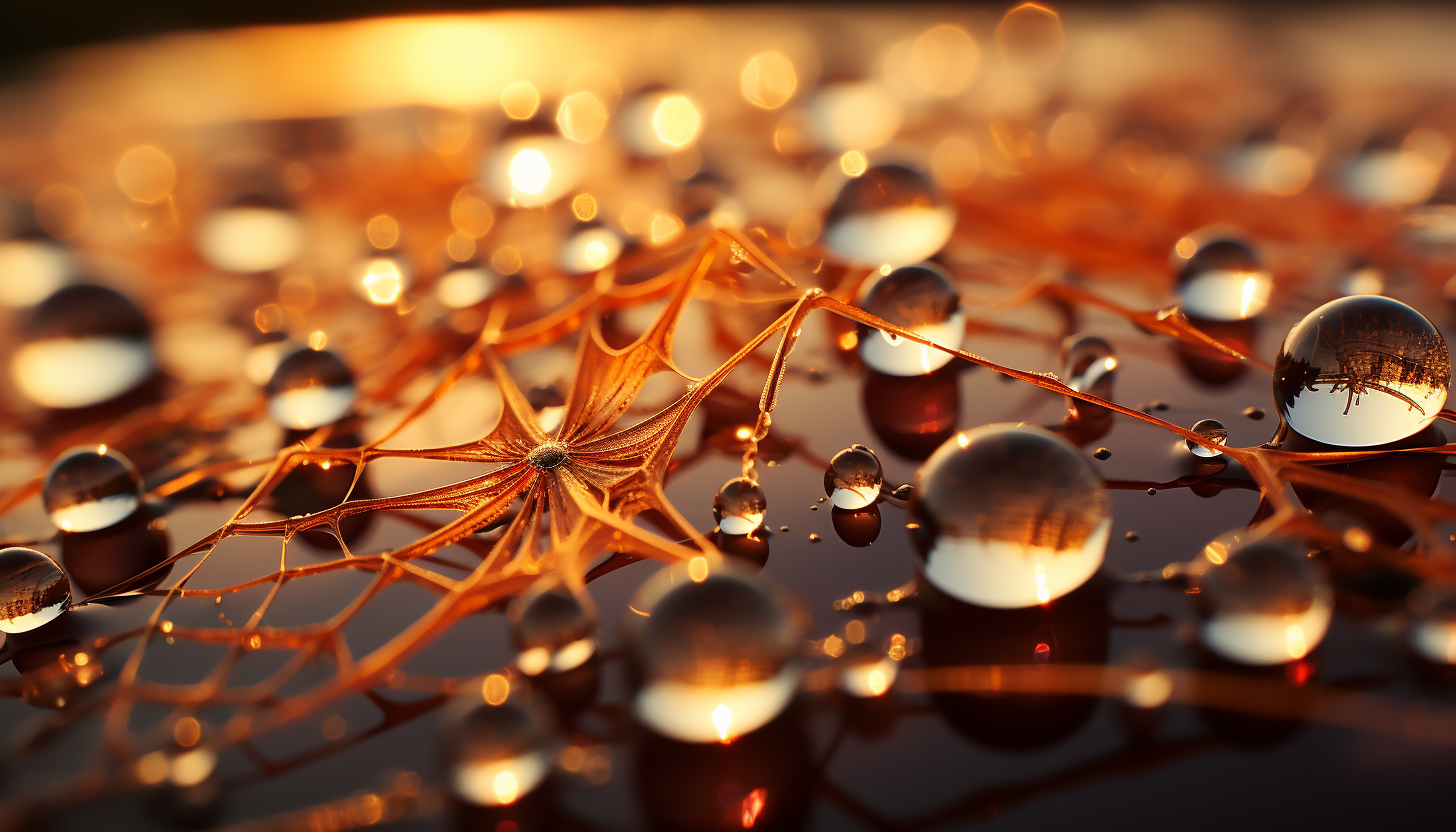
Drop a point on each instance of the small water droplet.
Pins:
(739, 506)
(310, 389)
(923, 300)
(499, 742)
(553, 628)
(1264, 601)
(91, 487)
(34, 589)
(1212, 430)
(891, 214)
(1223, 281)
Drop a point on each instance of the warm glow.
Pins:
(383, 231)
(1250, 285)
(698, 569)
(520, 100)
(470, 213)
(877, 682)
(383, 282)
(744, 432)
(1216, 552)
(963, 440)
(943, 60)
(495, 689)
(676, 121)
(506, 260)
(753, 807)
(1186, 247)
(146, 174)
(187, 731)
(317, 339)
(853, 163)
(581, 117)
(925, 359)
(505, 787)
(1030, 37)
(166, 627)
(595, 254)
(854, 632)
(848, 340)
(1294, 640)
(1149, 690)
(768, 80)
(530, 171)
(665, 227)
(722, 718)
(1042, 595)
(584, 206)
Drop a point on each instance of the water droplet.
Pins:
(1362, 370)
(250, 236)
(499, 741)
(715, 657)
(31, 268)
(101, 560)
(891, 214)
(91, 487)
(1255, 413)
(1089, 365)
(54, 674)
(865, 670)
(532, 164)
(1102, 453)
(853, 478)
(923, 300)
(553, 628)
(1223, 281)
(33, 589)
(1433, 630)
(465, 286)
(83, 345)
(739, 506)
(1263, 601)
(1013, 517)
(1212, 430)
(590, 247)
(858, 528)
(310, 389)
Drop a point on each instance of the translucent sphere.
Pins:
(891, 215)
(1224, 281)
(532, 165)
(1433, 630)
(658, 122)
(91, 487)
(923, 300)
(310, 389)
(1362, 370)
(465, 286)
(31, 269)
(853, 478)
(1212, 430)
(1089, 365)
(251, 236)
(83, 345)
(33, 589)
(1392, 170)
(1263, 601)
(590, 247)
(553, 628)
(1008, 516)
(866, 670)
(713, 647)
(739, 506)
(499, 741)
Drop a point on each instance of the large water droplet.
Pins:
(853, 478)
(714, 647)
(1224, 281)
(1008, 516)
(250, 236)
(923, 300)
(33, 589)
(499, 740)
(590, 247)
(310, 389)
(1212, 430)
(83, 345)
(91, 487)
(866, 670)
(1264, 601)
(1433, 630)
(891, 215)
(554, 629)
(1361, 370)
(739, 506)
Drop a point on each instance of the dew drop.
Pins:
(553, 628)
(739, 506)
(1102, 453)
(310, 389)
(251, 236)
(715, 657)
(1012, 517)
(83, 345)
(499, 740)
(891, 214)
(91, 487)
(1433, 628)
(1224, 281)
(866, 670)
(1212, 430)
(1089, 365)
(590, 247)
(853, 478)
(1263, 601)
(33, 589)
(923, 300)
(1362, 370)
(32, 266)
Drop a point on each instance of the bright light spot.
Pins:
(505, 787)
(1186, 247)
(595, 254)
(533, 661)
(877, 682)
(146, 174)
(743, 432)
(834, 647)
(584, 207)
(1357, 539)
(753, 807)
(1109, 363)
(1149, 690)
(676, 121)
(884, 269)
(581, 117)
(665, 227)
(383, 282)
(1250, 284)
(722, 718)
(698, 569)
(101, 449)
(495, 689)
(317, 339)
(1294, 640)
(963, 440)
(166, 626)
(520, 100)
(529, 171)
(768, 80)
(924, 359)
(1042, 596)
(1216, 552)
(1041, 579)
(383, 231)
(848, 340)
(853, 163)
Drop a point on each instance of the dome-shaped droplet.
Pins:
(532, 164)
(891, 215)
(857, 527)
(252, 235)
(853, 478)
(1212, 430)
(588, 248)
(554, 629)
(33, 589)
(1089, 365)
(866, 670)
(465, 286)
(31, 268)
(1224, 281)
(91, 487)
(739, 506)
(714, 649)
(310, 389)
(923, 300)
(1263, 601)
(1396, 170)
(658, 122)
(1433, 629)
(499, 741)
(1362, 370)
(83, 345)
(1008, 516)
